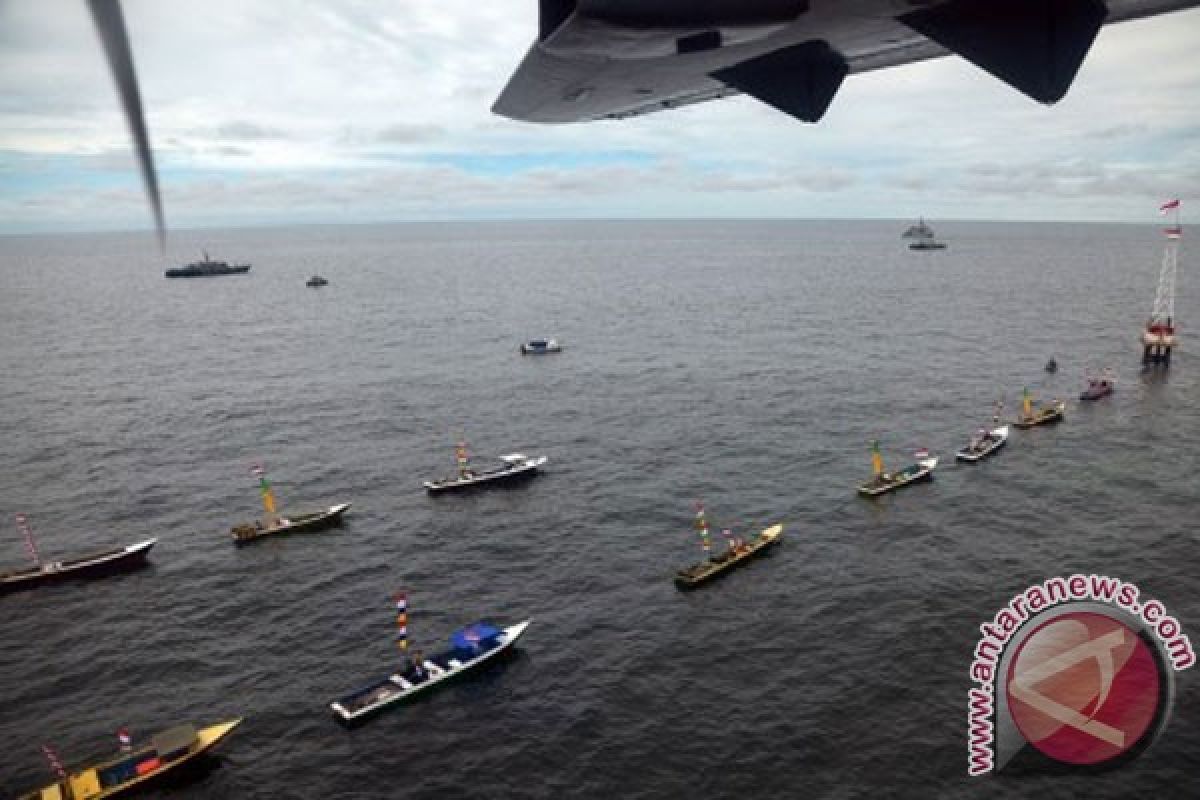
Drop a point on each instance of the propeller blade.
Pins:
(110, 25)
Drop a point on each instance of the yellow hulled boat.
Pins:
(125, 771)
(1034, 415)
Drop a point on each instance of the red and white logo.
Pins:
(1084, 688)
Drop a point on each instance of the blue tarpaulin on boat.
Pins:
(474, 636)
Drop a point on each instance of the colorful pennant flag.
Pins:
(701, 525)
(23, 526)
(728, 537)
(460, 455)
(402, 620)
(1169, 206)
(268, 496)
(55, 762)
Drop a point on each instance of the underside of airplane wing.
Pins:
(597, 59)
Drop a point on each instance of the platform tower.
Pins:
(1159, 337)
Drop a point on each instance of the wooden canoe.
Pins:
(977, 451)
(718, 565)
(369, 700)
(116, 775)
(314, 521)
(890, 481)
(94, 566)
(1046, 415)
(515, 468)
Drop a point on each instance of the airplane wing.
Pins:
(597, 59)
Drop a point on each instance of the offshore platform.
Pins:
(1159, 337)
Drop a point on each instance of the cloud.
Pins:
(247, 131)
(410, 133)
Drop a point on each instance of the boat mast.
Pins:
(1159, 337)
(701, 526)
(464, 461)
(268, 496)
(876, 459)
(57, 766)
(30, 544)
(402, 622)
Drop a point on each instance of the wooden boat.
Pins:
(883, 481)
(310, 522)
(514, 467)
(274, 523)
(539, 347)
(1099, 386)
(471, 647)
(984, 444)
(1044, 415)
(890, 481)
(125, 771)
(715, 566)
(96, 565)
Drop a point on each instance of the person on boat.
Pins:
(416, 669)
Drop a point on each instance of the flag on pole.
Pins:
(460, 455)
(876, 459)
(402, 620)
(1170, 205)
(55, 763)
(701, 525)
(728, 534)
(922, 453)
(268, 496)
(30, 545)
(126, 739)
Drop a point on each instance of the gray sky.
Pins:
(357, 110)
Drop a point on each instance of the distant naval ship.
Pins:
(207, 268)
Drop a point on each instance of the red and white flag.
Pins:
(125, 738)
(55, 761)
(1170, 205)
(922, 453)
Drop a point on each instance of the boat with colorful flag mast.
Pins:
(882, 481)
(737, 551)
(513, 467)
(470, 647)
(133, 766)
(1033, 415)
(1159, 338)
(274, 523)
(107, 562)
